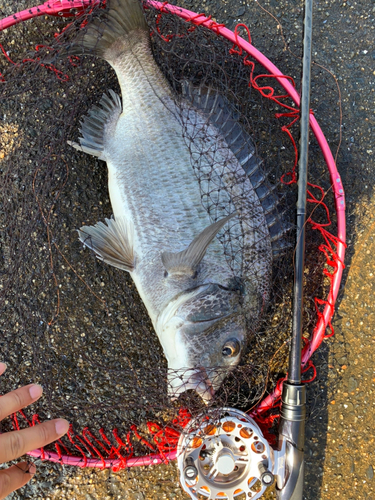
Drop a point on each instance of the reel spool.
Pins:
(223, 455)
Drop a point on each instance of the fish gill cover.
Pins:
(77, 325)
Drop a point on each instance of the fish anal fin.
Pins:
(187, 261)
(112, 242)
(97, 124)
(86, 149)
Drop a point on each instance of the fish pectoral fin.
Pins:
(186, 262)
(112, 242)
(98, 124)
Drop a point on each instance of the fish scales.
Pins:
(149, 159)
(179, 198)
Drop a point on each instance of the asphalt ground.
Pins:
(340, 437)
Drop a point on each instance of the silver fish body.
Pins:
(163, 157)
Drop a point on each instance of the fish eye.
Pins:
(231, 348)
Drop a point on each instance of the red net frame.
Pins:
(114, 452)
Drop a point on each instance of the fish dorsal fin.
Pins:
(96, 124)
(186, 261)
(112, 242)
(225, 118)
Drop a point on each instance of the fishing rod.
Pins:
(287, 464)
(293, 406)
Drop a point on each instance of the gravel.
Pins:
(339, 439)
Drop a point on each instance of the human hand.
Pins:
(17, 443)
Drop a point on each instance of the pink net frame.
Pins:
(334, 249)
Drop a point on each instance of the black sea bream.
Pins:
(203, 307)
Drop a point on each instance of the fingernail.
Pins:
(32, 469)
(35, 391)
(3, 367)
(61, 426)
(26, 467)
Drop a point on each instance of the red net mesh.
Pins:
(77, 325)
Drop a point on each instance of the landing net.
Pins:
(76, 325)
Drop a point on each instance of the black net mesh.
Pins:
(75, 324)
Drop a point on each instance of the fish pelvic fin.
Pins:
(96, 126)
(112, 242)
(186, 262)
(119, 19)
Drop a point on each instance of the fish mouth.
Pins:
(195, 379)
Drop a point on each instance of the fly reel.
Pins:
(223, 455)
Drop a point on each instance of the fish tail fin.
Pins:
(101, 35)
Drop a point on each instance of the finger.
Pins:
(3, 367)
(17, 443)
(15, 477)
(18, 399)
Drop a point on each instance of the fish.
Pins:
(187, 193)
